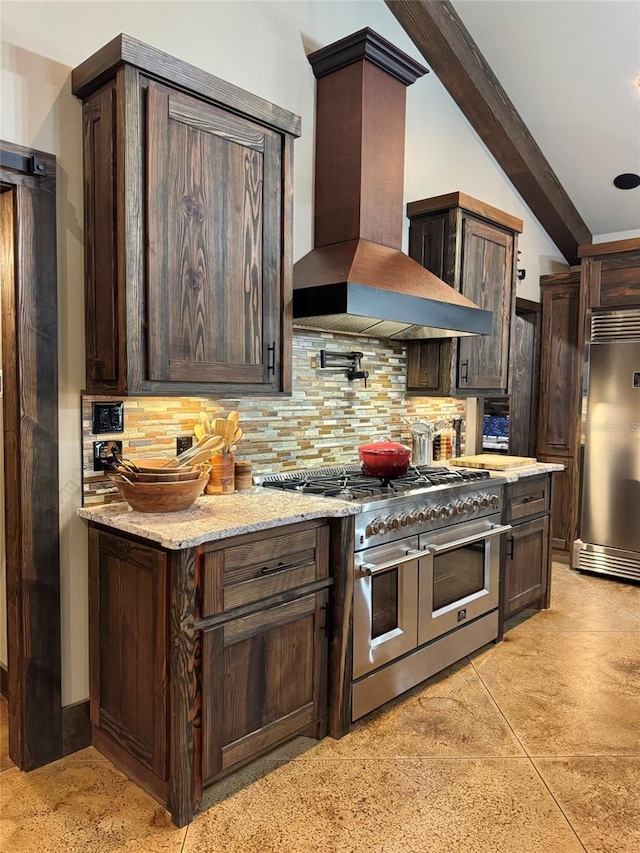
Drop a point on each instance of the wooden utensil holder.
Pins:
(222, 476)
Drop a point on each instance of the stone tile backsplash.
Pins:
(321, 424)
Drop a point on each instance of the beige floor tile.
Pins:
(625, 595)
(452, 715)
(568, 694)
(78, 807)
(382, 806)
(576, 605)
(5, 761)
(600, 798)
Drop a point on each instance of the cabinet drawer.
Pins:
(260, 568)
(529, 497)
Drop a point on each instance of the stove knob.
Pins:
(432, 513)
(495, 501)
(391, 523)
(460, 508)
(376, 527)
(417, 517)
(446, 511)
(475, 504)
(405, 520)
(485, 500)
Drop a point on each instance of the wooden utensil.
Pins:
(208, 441)
(206, 453)
(198, 431)
(205, 422)
(225, 428)
(234, 417)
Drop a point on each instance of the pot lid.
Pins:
(387, 448)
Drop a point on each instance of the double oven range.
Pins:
(426, 571)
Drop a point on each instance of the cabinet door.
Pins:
(486, 279)
(565, 507)
(264, 680)
(560, 371)
(526, 568)
(214, 244)
(128, 647)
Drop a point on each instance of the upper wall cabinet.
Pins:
(188, 228)
(473, 247)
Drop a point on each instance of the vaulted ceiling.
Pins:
(570, 69)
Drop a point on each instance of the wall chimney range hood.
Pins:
(356, 280)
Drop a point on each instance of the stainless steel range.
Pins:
(427, 565)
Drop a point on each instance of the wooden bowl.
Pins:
(160, 497)
(168, 475)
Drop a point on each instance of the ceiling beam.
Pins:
(439, 34)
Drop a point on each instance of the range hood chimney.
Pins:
(356, 280)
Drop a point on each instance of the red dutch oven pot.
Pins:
(384, 459)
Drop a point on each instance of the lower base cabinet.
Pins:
(525, 579)
(525, 576)
(263, 681)
(204, 659)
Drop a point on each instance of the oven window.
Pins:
(384, 603)
(458, 573)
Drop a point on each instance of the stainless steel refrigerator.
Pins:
(610, 514)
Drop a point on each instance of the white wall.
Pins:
(617, 235)
(261, 47)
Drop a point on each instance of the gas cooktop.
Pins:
(349, 483)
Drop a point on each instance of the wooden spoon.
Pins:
(205, 452)
(234, 417)
(199, 432)
(205, 422)
(184, 457)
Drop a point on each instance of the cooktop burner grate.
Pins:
(352, 484)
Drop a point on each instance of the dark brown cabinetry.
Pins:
(203, 659)
(188, 228)
(473, 247)
(527, 561)
(611, 273)
(562, 355)
(609, 277)
(263, 681)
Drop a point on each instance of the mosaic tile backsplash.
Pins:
(322, 423)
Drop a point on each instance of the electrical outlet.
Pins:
(103, 453)
(108, 417)
(183, 442)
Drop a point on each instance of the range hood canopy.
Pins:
(356, 280)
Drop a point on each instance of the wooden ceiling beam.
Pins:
(439, 34)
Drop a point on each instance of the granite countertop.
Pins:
(218, 516)
(515, 474)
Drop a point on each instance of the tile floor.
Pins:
(530, 746)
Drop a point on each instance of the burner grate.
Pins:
(350, 483)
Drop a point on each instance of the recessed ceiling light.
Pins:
(627, 181)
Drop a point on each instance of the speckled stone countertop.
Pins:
(515, 474)
(218, 516)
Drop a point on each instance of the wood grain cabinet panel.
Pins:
(526, 566)
(560, 369)
(473, 248)
(263, 681)
(527, 563)
(128, 648)
(611, 273)
(188, 230)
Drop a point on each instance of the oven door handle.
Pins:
(411, 554)
(495, 530)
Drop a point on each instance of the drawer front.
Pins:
(529, 497)
(259, 569)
